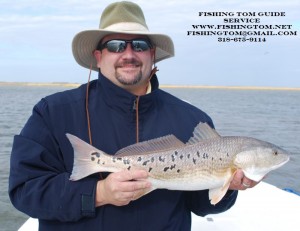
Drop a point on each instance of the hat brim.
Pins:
(85, 42)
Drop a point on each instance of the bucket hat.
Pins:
(119, 17)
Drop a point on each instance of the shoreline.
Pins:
(65, 84)
(233, 87)
(41, 84)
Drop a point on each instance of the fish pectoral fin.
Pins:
(158, 144)
(216, 194)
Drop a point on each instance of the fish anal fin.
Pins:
(203, 132)
(157, 144)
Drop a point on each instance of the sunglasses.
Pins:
(120, 45)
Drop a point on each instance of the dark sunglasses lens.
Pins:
(140, 45)
(116, 45)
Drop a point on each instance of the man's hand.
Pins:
(241, 182)
(122, 187)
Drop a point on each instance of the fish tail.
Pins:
(85, 156)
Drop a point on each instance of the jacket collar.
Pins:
(120, 99)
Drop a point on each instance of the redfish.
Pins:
(206, 161)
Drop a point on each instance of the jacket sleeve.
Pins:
(39, 182)
(199, 203)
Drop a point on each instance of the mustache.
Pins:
(126, 62)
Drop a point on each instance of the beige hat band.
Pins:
(126, 26)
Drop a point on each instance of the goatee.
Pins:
(127, 63)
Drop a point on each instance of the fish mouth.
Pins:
(280, 164)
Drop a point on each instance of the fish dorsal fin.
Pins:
(202, 132)
(157, 144)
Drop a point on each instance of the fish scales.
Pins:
(207, 161)
(205, 157)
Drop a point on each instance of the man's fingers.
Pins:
(241, 182)
(247, 183)
(237, 179)
(131, 186)
(120, 188)
(131, 175)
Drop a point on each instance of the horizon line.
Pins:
(67, 84)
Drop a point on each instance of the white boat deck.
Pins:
(262, 208)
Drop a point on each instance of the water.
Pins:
(268, 115)
(16, 106)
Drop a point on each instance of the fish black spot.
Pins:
(188, 156)
(126, 161)
(198, 153)
(194, 160)
(176, 153)
(97, 154)
(173, 158)
(178, 171)
(166, 169)
(150, 169)
(173, 166)
(205, 155)
(98, 161)
(161, 159)
(152, 159)
(212, 158)
(119, 158)
(146, 162)
(139, 159)
(92, 158)
(129, 168)
(220, 159)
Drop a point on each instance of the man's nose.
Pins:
(128, 50)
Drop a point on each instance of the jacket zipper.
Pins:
(136, 108)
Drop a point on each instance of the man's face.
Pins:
(128, 69)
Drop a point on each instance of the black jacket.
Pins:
(42, 160)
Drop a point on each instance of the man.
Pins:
(122, 107)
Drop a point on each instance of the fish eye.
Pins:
(275, 153)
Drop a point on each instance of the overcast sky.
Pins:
(36, 37)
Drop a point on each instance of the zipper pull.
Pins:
(135, 103)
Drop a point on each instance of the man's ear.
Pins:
(98, 56)
(153, 50)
